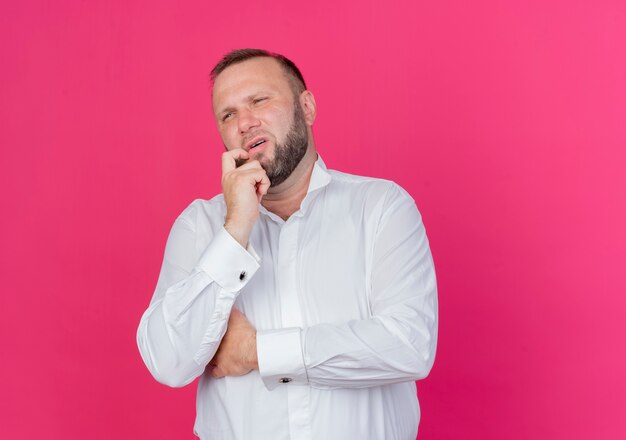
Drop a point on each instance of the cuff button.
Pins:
(242, 275)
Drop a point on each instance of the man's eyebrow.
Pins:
(226, 110)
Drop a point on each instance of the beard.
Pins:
(288, 154)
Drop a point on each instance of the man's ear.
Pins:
(307, 102)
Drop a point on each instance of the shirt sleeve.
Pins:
(396, 343)
(181, 330)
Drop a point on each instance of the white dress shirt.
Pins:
(344, 299)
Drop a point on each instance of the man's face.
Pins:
(256, 110)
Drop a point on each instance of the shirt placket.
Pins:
(291, 316)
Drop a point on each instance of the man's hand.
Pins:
(236, 354)
(243, 189)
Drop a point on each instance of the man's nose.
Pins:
(247, 120)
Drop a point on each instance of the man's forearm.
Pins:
(181, 330)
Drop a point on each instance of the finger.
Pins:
(255, 176)
(229, 159)
(217, 372)
(262, 187)
(250, 165)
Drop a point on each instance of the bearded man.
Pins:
(304, 298)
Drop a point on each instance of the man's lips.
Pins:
(255, 143)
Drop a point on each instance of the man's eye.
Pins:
(226, 116)
(257, 100)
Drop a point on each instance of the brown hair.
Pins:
(296, 80)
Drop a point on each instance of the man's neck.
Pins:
(286, 198)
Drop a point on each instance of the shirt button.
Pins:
(285, 380)
(242, 275)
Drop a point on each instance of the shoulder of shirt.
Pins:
(201, 207)
(389, 187)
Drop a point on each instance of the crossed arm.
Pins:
(191, 322)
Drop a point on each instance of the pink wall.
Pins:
(505, 120)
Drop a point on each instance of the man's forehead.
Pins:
(255, 72)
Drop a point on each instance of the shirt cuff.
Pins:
(228, 263)
(280, 357)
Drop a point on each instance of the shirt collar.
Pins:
(320, 176)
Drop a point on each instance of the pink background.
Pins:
(506, 121)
